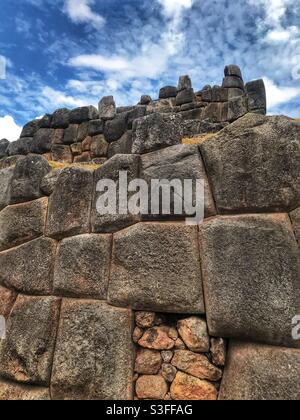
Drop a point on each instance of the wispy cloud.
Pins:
(278, 95)
(80, 11)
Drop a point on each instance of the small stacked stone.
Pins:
(176, 359)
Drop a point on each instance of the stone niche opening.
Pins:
(176, 359)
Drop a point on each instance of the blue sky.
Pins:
(69, 53)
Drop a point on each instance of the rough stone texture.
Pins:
(233, 70)
(168, 372)
(218, 351)
(256, 372)
(27, 178)
(61, 153)
(148, 362)
(251, 277)
(28, 268)
(22, 222)
(151, 387)
(295, 217)
(156, 131)
(8, 162)
(196, 365)
(26, 354)
(70, 134)
(107, 108)
(156, 267)
(85, 157)
(157, 338)
(42, 141)
(193, 332)
(3, 148)
(110, 170)
(137, 334)
(167, 356)
(60, 118)
(58, 136)
(114, 129)
(82, 266)
(76, 149)
(121, 147)
(20, 147)
(95, 127)
(6, 176)
(168, 92)
(83, 114)
(237, 108)
(98, 146)
(7, 299)
(233, 82)
(145, 319)
(70, 216)
(244, 162)
(178, 162)
(17, 392)
(185, 97)
(49, 181)
(30, 129)
(184, 83)
(145, 100)
(94, 352)
(257, 97)
(189, 388)
(45, 121)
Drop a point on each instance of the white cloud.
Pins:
(277, 95)
(282, 35)
(172, 7)
(80, 11)
(59, 99)
(9, 129)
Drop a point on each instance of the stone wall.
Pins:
(128, 307)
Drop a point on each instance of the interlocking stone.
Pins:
(257, 96)
(186, 387)
(114, 129)
(22, 222)
(193, 332)
(30, 128)
(145, 319)
(70, 216)
(233, 82)
(121, 147)
(145, 100)
(80, 372)
(148, 362)
(70, 134)
(107, 108)
(181, 162)
(27, 178)
(168, 92)
(184, 83)
(83, 114)
(82, 266)
(58, 136)
(16, 392)
(45, 121)
(61, 153)
(7, 299)
(237, 108)
(3, 148)
(95, 127)
(151, 387)
(185, 96)
(254, 372)
(168, 372)
(137, 112)
(26, 354)
(218, 351)
(196, 365)
(28, 268)
(60, 118)
(109, 223)
(20, 147)
(157, 338)
(251, 275)
(295, 217)
(252, 152)
(98, 146)
(42, 141)
(156, 267)
(6, 176)
(233, 70)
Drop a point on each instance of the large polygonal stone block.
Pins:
(257, 373)
(70, 203)
(251, 278)
(94, 352)
(182, 162)
(156, 267)
(28, 268)
(10, 391)
(295, 218)
(22, 222)
(6, 176)
(253, 165)
(82, 266)
(7, 299)
(107, 223)
(26, 354)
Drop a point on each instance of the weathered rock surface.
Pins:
(82, 266)
(60, 118)
(186, 387)
(156, 267)
(253, 165)
(7, 299)
(151, 387)
(61, 153)
(42, 141)
(26, 354)
(27, 178)
(70, 216)
(70, 134)
(156, 131)
(17, 392)
(157, 338)
(20, 147)
(193, 332)
(95, 127)
(107, 223)
(3, 148)
(49, 181)
(114, 129)
(94, 352)
(233, 70)
(148, 362)
(184, 83)
(167, 356)
(257, 97)
(83, 114)
(30, 129)
(251, 277)
(181, 162)
(196, 365)
(121, 147)
(6, 176)
(28, 268)
(295, 217)
(168, 372)
(107, 108)
(98, 146)
(145, 319)
(168, 92)
(256, 372)
(22, 222)
(218, 351)
(185, 96)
